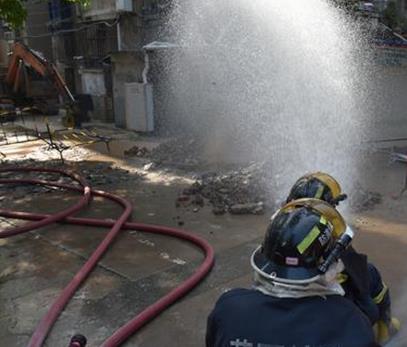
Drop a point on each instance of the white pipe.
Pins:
(119, 37)
(146, 67)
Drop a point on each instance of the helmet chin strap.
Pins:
(323, 286)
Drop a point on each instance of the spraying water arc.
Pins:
(285, 82)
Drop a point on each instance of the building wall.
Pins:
(131, 33)
(118, 44)
(94, 83)
(45, 21)
(98, 10)
(380, 5)
(403, 7)
(95, 43)
(4, 48)
(127, 67)
(37, 25)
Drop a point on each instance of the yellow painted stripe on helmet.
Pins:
(379, 297)
(331, 182)
(319, 192)
(308, 240)
(324, 209)
(323, 220)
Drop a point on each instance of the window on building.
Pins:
(96, 42)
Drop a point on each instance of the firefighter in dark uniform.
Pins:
(296, 299)
(361, 280)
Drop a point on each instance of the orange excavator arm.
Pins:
(21, 54)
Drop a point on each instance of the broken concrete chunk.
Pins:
(235, 188)
(362, 199)
(148, 166)
(250, 208)
(218, 211)
(183, 198)
(198, 200)
(137, 152)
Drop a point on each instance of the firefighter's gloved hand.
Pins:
(385, 331)
(367, 305)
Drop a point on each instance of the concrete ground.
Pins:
(140, 268)
(137, 270)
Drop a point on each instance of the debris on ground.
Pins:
(47, 153)
(363, 200)
(104, 173)
(137, 151)
(178, 151)
(250, 208)
(149, 166)
(239, 191)
(96, 174)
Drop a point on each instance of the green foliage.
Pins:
(12, 12)
(390, 15)
(83, 3)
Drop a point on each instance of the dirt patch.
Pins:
(238, 191)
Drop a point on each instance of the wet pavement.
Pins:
(136, 271)
(139, 268)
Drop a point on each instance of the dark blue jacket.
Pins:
(363, 285)
(249, 318)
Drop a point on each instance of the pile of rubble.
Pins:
(247, 191)
(178, 151)
(240, 191)
(137, 151)
(363, 200)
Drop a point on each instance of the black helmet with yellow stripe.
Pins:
(317, 185)
(300, 236)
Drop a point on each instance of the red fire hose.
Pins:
(40, 220)
(56, 217)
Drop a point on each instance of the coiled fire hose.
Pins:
(40, 220)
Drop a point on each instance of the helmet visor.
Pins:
(324, 209)
(331, 182)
